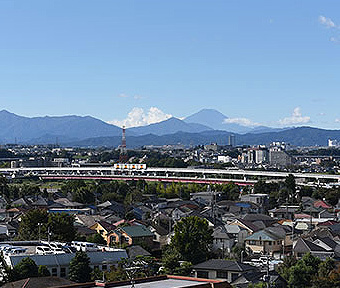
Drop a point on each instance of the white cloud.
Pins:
(137, 117)
(327, 22)
(241, 121)
(296, 118)
(337, 120)
(334, 39)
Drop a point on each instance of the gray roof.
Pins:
(329, 242)
(221, 232)
(263, 235)
(19, 202)
(306, 245)
(65, 259)
(220, 264)
(68, 203)
(136, 231)
(134, 251)
(38, 282)
(257, 217)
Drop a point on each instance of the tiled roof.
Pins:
(220, 264)
(313, 247)
(263, 235)
(137, 231)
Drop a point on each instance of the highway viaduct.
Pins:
(186, 175)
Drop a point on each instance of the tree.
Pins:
(26, 268)
(170, 259)
(301, 273)
(43, 271)
(96, 238)
(192, 239)
(290, 185)
(61, 227)
(33, 222)
(84, 195)
(36, 223)
(79, 268)
(96, 274)
(328, 275)
(4, 190)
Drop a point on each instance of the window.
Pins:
(270, 243)
(222, 274)
(62, 272)
(234, 276)
(252, 242)
(203, 274)
(54, 272)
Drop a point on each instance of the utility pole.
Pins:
(49, 233)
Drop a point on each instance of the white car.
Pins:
(85, 246)
(43, 250)
(16, 250)
(57, 248)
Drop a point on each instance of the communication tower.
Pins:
(123, 157)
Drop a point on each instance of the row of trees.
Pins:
(310, 272)
(26, 268)
(287, 192)
(39, 224)
(132, 191)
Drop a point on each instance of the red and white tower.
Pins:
(123, 157)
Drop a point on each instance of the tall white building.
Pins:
(333, 143)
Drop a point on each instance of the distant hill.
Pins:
(169, 126)
(65, 128)
(89, 131)
(302, 136)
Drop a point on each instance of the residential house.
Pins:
(264, 242)
(223, 241)
(250, 278)
(304, 246)
(161, 235)
(111, 208)
(103, 228)
(284, 212)
(141, 212)
(131, 235)
(260, 199)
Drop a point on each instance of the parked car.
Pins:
(57, 248)
(16, 250)
(85, 246)
(43, 250)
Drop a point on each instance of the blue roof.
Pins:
(243, 205)
(263, 235)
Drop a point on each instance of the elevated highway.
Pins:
(189, 175)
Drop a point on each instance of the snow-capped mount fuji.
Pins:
(217, 121)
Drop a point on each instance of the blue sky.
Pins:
(274, 63)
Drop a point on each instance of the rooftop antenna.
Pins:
(123, 157)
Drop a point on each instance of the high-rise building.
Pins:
(231, 140)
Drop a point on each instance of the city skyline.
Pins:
(263, 63)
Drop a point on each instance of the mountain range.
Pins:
(203, 127)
